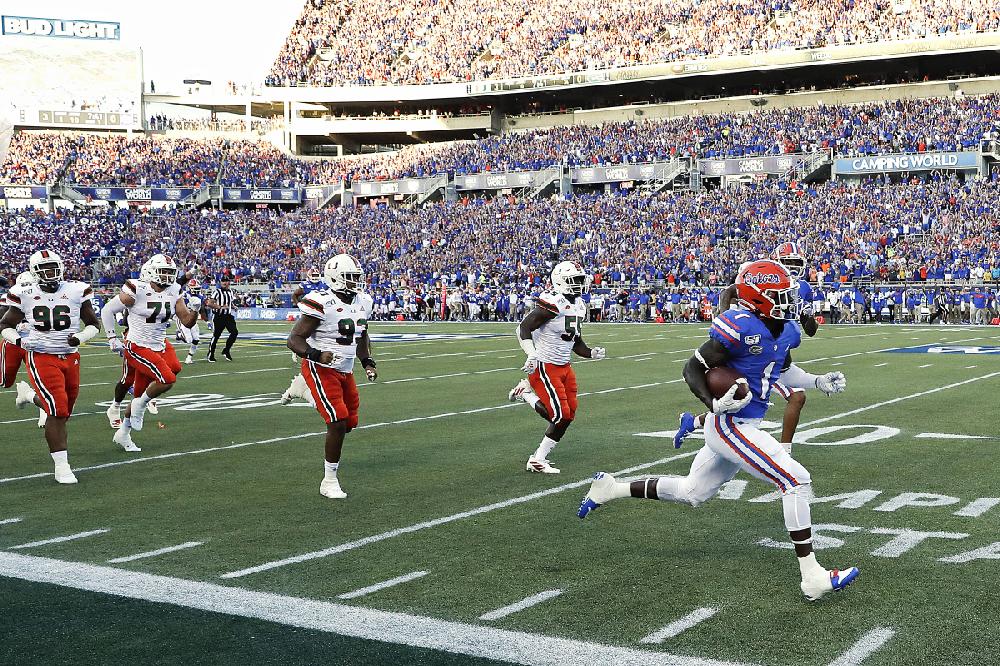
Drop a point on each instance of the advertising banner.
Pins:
(913, 162)
(271, 195)
(749, 165)
(23, 192)
(30, 26)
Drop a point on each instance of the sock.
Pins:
(140, 402)
(117, 406)
(808, 566)
(60, 457)
(331, 470)
(530, 398)
(126, 425)
(545, 448)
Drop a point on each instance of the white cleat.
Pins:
(153, 408)
(114, 417)
(331, 488)
(25, 395)
(285, 399)
(517, 393)
(816, 587)
(123, 438)
(64, 474)
(540, 466)
(189, 360)
(42, 418)
(601, 492)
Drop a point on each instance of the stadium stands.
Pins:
(902, 126)
(335, 42)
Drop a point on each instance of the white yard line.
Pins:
(527, 602)
(273, 440)
(879, 365)
(9, 521)
(693, 618)
(946, 435)
(926, 365)
(68, 537)
(383, 585)
(866, 646)
(154, 553)
(375, 538)
(346, 620)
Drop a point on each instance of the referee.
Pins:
(221, 302)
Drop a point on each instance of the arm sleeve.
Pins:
(724, 332)
(796, 377)
(108, 312)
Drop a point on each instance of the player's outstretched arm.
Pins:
(808, 323)
(92, 325)
(711, 354)
(365, 356)
(580, 348)
(187, 315)
(297, 296)
(531, 322)
(8, 325)
(726, 297)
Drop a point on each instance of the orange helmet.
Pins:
(790, 256)
(767, 288)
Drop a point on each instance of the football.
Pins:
(721, 379)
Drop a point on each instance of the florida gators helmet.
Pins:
(790, 256)
(767, 288)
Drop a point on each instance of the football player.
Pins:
(790, 256)
(191, 334)
(549, 335)
(755, 341)
(12, 356)
(331, 333)
(313, 282)
(54, 309)
(151, 302)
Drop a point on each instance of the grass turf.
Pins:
(626, 571)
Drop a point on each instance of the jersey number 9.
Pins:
(572, 327)
(347, 328)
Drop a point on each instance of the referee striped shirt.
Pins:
(224, 300)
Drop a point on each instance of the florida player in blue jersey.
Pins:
(790, 256)
(756, 341)
(313, 282)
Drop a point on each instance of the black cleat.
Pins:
(226, 355)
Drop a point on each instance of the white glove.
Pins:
(598, 353)
(729, 402)
(116, 345)
(530, 364)
(23, 328)
(832, 382)
(195, 304)
(372, 374)
(806, 309)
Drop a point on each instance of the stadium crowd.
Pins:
(938, 229)
(335, 42)
(902, 126)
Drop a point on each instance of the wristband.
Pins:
(313, 355)
(368, 363)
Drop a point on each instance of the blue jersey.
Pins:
(805, 293)
(754, 353)
(310, 286)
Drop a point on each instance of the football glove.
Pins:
(598, 353)
(372, 374)
(195, 304)
(530, 364)
(116, 345)
(832, 382)
(729, 402)
(23, 328)
(806, 309)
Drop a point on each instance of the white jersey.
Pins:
(555, 338)
(149, 317)
(341, 324)
(54, 316)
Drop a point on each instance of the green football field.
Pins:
(213, 545)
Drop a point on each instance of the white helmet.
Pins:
(160, 269)
(343, 273)
(314, 274)
(46, 267)
(25, 279)
(569, 279)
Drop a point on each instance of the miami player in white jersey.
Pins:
(550, 335)
(12, 356)
(151, 302)
(329, 336)
(191, 334)
(54, 308)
